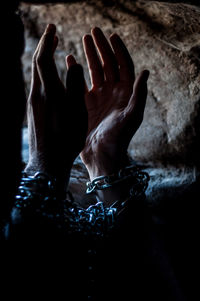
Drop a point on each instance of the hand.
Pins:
(115, 103)
(57, 116)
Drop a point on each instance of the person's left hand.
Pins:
(57, 116)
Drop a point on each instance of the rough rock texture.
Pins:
(162, 37)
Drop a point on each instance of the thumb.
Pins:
(75, 82)
(75, 85)
(70, 61)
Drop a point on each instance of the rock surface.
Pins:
(161, 37)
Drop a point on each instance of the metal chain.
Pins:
(103, 182)
(37, 195)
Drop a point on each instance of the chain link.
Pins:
(37, 194)
(103, 182)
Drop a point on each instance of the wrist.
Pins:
(53, 166)
(61, 175)
(118, 191)
(130, 181)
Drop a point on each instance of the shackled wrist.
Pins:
(127, 181)
(60, 182)
(60, 172)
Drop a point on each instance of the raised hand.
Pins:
(115, 103)
(57, 116)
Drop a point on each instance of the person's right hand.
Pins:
(57, 116)
(115, 103)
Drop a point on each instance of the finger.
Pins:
(75, 84)
(71, 61)
(45, 61)
(110, 65)
(35, 82)
(35, 79)
(47, 43)
(55, 43)
(137, 101)
(127, 72)
(94, 64)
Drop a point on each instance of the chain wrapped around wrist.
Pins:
(36, 196)
(139, 179)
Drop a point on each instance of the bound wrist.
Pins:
(118, 186)
(106, 165)
(118, 192)
(61, 175)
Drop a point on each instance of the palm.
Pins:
(106, 106)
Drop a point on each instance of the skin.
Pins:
(55, 136)
(115, 105)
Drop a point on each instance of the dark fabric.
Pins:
(147, 255)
